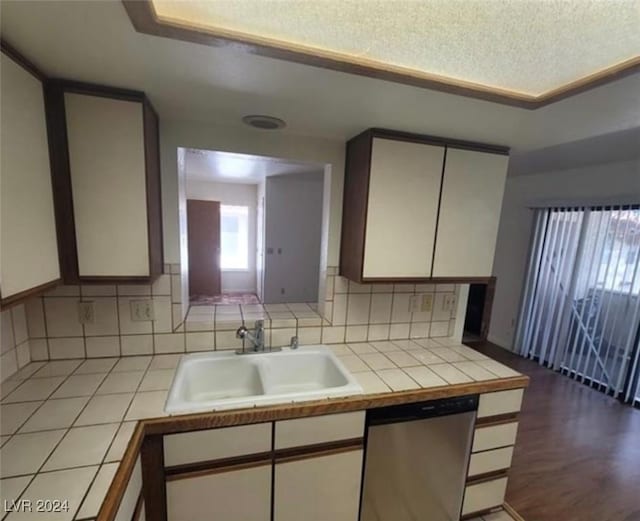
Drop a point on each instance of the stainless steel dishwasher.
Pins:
(416, 460)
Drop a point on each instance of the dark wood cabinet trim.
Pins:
(218, 465)
(487, 476)
(154, 486)
(154, 189)
(18, 298)
(480, 513)
(317, 450)
(426, 139)
(61, 180)
(144, 20)
(55, 90)
(492, 421)
(10, 51)
(355, 203)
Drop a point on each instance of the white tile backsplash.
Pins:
(353, 313)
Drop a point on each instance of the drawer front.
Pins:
(228, 442)
(490, 461)
(319, 429)
(501, 402)
(483, 496)
(234, 495)
(494, 436)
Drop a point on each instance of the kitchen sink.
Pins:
(218, 381)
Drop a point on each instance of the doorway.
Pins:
(478, 314)
(254, 228)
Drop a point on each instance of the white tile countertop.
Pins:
(65, 424)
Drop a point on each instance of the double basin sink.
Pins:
(218, 381)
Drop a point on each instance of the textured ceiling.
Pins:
(524, 47)
(95, 41)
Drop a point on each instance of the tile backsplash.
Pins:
(49, 327)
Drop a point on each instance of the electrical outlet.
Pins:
(86, 313)
(427, 302)
(141, 310)
(448, 302)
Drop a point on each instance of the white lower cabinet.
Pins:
(232, 495)
(318, 488)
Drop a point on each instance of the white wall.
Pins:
(613, 182)
(293, 236)
(234, 194)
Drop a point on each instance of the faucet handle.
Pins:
(241, 332)
(259, 324)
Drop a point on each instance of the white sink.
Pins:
(217, 381)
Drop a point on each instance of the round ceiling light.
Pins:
(264, 122)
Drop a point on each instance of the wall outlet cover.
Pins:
(141, 310)
(449, 302)
(86, 313)
(427, 302)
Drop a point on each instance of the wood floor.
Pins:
(577, 457)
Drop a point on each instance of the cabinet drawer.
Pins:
(494, 436)
(319, 429)
(501, 402)
(485, 495)
(490, 461)
(234, 495)
(228, 442)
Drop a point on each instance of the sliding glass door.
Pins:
(581, 305)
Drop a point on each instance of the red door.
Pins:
(203, 235)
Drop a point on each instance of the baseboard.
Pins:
(509, 510)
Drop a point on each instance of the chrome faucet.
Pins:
(256, 338)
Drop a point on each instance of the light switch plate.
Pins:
(427, 302)
(141, 310)
(86, 313)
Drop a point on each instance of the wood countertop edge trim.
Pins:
(208, 420)
(113, 498)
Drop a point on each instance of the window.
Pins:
(234, 237)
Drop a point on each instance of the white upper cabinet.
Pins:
(418, 208)
(28, 246)
(470, 207)
(404, 187)
(107, 164)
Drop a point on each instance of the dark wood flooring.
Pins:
(577, 456)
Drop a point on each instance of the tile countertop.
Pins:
(66, 424)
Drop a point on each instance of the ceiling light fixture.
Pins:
(263, 122)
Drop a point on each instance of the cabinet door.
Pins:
(235, 495)
(318, 488)
(108, 185)
(470, 207)
(28, 248)
(404, 187)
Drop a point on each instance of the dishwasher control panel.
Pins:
(420, 410)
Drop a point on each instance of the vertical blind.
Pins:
(580, 311)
